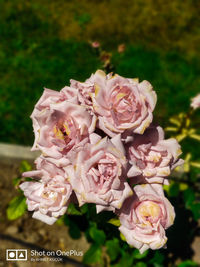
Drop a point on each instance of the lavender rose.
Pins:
(145, 216)
(97, 173)
(60, 123)
(49, 196)
(151, 157)
(122, 104)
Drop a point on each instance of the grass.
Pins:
(36, 51)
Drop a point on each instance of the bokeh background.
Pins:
(47, 43)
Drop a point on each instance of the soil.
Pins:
(33, 235)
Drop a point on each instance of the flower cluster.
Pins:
(98, 145)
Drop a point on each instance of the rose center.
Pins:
(105, 170)
(65, 130)
(124, 108)
(149, 211)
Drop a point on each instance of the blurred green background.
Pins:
(45, 43)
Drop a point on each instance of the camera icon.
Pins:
(16, 254)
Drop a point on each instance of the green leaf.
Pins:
(140, 264)
(189, 197)
(126, 260)
(60, 221)
(180, 137)
(122, 237)
(74, 230)
(195, 208)
(195, 136)
(195, 164)
(84, 208)
(157, 259)
(187, 263)
(16, 208)
(183, 186)
(171, 129)
(16, 181)
(25, 166)
(115, 222)
(73, 210)
(173, 189)
(175, 121)
(166, 188)
(97, 235)
(138, 255)
(113, 248)
(93, 255)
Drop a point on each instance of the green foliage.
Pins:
(16, 208)
(126, 260)
(93, 255)
(73, 210)
(137, 255)
(173, 189)
(74, 230)
(114, 221)
(157, 260)
(113, 248)
(25, 166)
(98, 236)
(140, 264)
(188, 263)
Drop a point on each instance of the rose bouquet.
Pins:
(98, 145)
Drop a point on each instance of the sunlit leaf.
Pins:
(122, 237)
(166, 188)
(72, 209)
(175, 121)
(187, 122)
(16, 208)
(195, 164)
(25, 166)
(183, 186)
(195, 136)
(115, 222)
(171, 129)
(180, 137)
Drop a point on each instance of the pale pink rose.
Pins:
(195, 102)
(60, 123)
(49, 196)
(45, 170)
(97, 173)
(85, 89)
(152, 157)
(145, 216)
(123, 104)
